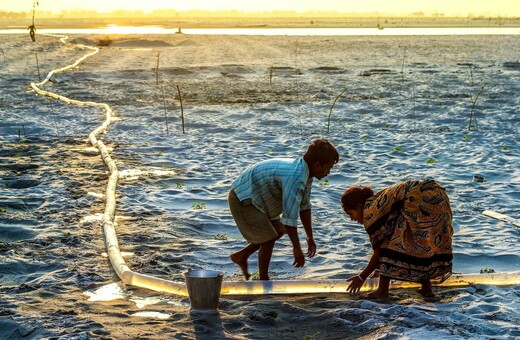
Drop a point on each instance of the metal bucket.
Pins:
(204, 290)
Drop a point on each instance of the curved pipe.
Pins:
(228, 287)
(116, 259)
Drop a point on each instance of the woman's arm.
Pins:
(373, 264)
(357, 281)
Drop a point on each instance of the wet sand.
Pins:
(247, 98)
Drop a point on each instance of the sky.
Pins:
(509, 8)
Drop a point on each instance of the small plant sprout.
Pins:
(271, 75)
(332, 107)
(402, 64)
(487, 270)
(38, 67)
(220, 237)
(466, 137)
(364, 138)
(472, 126)
(182, 108)
(180, 184)
(165, 112)
(55, 118)
(24, 133)
(312, 336)
(157, 69)
(198, 205)
(414, 110)
(325, 181)
(430, 160)
(505, 148)
(397, 149)
(255, 275)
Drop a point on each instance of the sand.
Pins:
(405, 114)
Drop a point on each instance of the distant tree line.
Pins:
(14, 15)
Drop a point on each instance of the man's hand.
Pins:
(299, 259)
(311, 250)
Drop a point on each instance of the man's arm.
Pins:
(299, 259)
(305, 217)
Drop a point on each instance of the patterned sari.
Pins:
(412, 223)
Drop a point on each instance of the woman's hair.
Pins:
(322, 151)
(354, 196)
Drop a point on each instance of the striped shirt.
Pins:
(277, 187)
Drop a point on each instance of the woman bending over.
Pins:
(409, 225)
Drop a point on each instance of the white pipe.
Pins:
(340, 285)
(111, 244)
(501, 217)
(228, 287)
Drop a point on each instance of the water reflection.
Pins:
(152, 314)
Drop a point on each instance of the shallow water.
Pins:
(247, 99)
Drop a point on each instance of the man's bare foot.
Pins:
(242, 263)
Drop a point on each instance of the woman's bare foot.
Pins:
(242, 263)
(426, 289)
(382, 290)
(375, 295)
(426, 293)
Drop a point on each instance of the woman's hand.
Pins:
(311, 247)
(356, 282)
